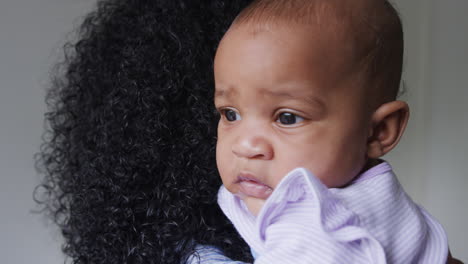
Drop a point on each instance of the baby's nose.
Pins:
(253, 146)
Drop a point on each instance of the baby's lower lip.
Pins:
(254, 189)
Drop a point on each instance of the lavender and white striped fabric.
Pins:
(210, 255)
(371, 221)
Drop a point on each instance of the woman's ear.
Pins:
(388, 124)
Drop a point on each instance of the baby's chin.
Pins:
(253, 204)
(253, 194)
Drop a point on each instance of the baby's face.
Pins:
(287, 99)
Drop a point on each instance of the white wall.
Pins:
(431, 156)
(429, 160)
(31, 34)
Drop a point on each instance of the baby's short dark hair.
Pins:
(374, 24)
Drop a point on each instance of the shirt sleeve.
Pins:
(210, 255)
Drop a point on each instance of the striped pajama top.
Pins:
(370, 221)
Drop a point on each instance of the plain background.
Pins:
(429, 161)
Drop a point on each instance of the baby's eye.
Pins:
(287, 119)
(230, 115)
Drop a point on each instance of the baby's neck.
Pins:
(371, 163)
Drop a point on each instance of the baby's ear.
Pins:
(388, 124)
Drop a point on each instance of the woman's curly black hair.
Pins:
(129, 150)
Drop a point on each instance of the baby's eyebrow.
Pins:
(309, 99)
(221, 92)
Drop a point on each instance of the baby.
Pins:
(306, 90)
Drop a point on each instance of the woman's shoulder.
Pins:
(206, 254)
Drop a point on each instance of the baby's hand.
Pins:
(253, 204)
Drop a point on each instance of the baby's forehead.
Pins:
(322, 51)
(325, 14)
(337, 24)
(290, 59)
(369, 32)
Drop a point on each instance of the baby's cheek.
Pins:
(225, 172)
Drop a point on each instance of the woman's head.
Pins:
(128, 158)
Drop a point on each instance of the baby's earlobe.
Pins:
(374, 149)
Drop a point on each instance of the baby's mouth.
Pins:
(250, 186)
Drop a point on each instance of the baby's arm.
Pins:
(306, 222)
(313, 228)
(299, 224)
